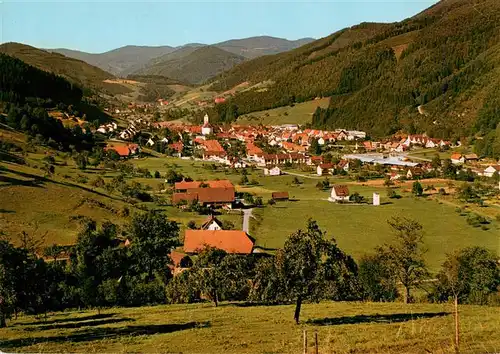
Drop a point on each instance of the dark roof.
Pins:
(280, 195)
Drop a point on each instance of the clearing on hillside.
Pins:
(300, 113)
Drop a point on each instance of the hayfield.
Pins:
(300, 113)
(238, 328)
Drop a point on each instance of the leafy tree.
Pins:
(376, 280)
(388, 182)
(220, 276)
(243, 180)
(470, 275)
(404, 257)
(152, 238)
(417, 189)
(98, 182)
(356, 198)
(81, 161)
(436, 162)
(315, 147)
(53, 251)
(157, 174)
(305, 263)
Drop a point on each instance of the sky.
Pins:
(99, 26)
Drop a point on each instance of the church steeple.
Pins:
(206, 129)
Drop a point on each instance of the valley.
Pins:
(253, 195)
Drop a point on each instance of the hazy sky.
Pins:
(97, 26)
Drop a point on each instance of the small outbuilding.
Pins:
(280, 196)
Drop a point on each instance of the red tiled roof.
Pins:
(177, 146)
(120, 150)
(231, 241)
(176, 257)
(341, 190)
(326, 165)
(456, 156)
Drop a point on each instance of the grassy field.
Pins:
(300, 113)
(32, 202)
(357, 228)
(46, 207)
(235, 328)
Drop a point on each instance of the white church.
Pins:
(206, 128)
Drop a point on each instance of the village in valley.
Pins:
(346, 166)
(169, 184)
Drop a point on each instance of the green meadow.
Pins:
(239, 328)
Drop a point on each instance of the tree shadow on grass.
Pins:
(69, 319)
(389, 318)
(5, 211)
(92, 323)
(92, 334)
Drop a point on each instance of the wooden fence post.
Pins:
(305, 341)
(316, 349)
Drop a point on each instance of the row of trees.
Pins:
(99, 270)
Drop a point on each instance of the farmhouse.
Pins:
(211, 223)
(490, 170)
(231, 241)
(339, 193)
(471, 158)
(324, 168)
(280, 196)
(457, 159)
(214, 193)
(124, 151)
(275, 171)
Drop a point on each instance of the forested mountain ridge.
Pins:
(132, 59)
(76, 71)
(444, 59)
(196, 67)
(120, 61)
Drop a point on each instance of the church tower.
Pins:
(206, 129)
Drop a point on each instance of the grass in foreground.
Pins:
(235, 328)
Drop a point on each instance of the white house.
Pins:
(275, 171)
(321, 141)
(339, 193)
(457, 159)
(490, 170)
(324, 168)
(206, 129)
(150, 142)
(430, 144)
(212, 223)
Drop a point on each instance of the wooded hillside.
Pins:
(444, 59)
